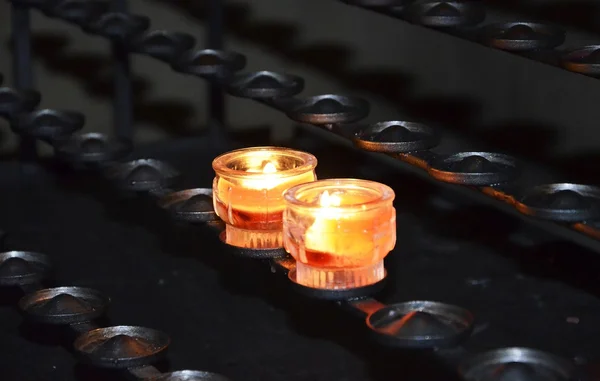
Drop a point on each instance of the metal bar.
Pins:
(123, 102)
(22, 66)
(123, 98)
(284, 265)
(216, 105)
(361, 307)
(143, 372)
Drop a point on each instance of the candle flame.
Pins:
(268, 167)
(270, 181)
(327, 200)
(265, 167)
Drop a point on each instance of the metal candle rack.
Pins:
(416, 324)
(462, 18)
(129, 348)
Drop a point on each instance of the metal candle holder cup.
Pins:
(248, 192)
(339, 232)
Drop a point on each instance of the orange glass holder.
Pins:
(339, 231)
(248, 192)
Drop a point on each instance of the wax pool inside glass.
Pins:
(251, 201)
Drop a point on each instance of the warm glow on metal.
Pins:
(339, 231)
(248, 192)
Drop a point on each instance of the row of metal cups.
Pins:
(129, 348)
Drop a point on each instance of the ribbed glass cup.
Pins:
(248, 192)
(339, 231)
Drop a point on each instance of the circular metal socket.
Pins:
(190, 205)
(474, 168)
(189, 375)
(209, 63)
(13, 102)
(522, 36)
(444, 13)
(118, 26)
(336, 295)
(517, 364)
(48, 125)
(91, 149)
(396, 137)
(121, 346)
(80, 12)
(421, 324)
(19, 268)
(64, 305)
(142, 175)
(376, 3)
(265, 84)
(584, 60)
(561, 202)
(328, 109)
(247, 252)
(162, 44)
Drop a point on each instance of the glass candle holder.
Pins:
(339, 231)
(248, 192)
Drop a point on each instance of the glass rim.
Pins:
(386, 193)
(219, 164)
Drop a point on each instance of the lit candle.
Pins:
(248, 192)
(339, 232)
